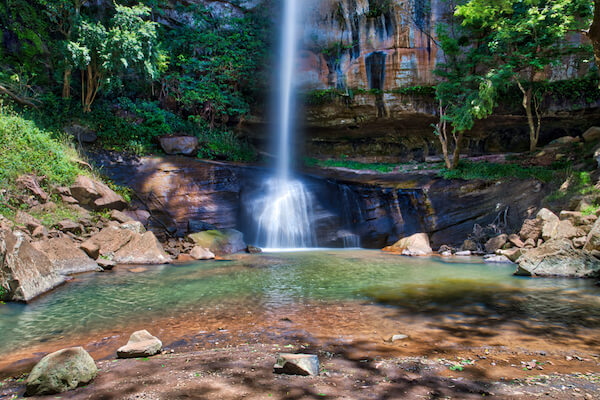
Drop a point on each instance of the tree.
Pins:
(594, 33)
(464, 94)
(525, 37)
(103, 54)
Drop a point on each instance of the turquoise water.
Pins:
(95, 302)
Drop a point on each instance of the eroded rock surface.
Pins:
(66, 257)
(558, 257)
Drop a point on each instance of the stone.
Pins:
(558, 258)
(464, 253)
(414, 245)
(397, 337)
(495, 243)
(134, 226)
(549, 222)
(297, 364)
(497, 259)
(142, 216)
(445, 249)
(592, 134)
(106, 264)
(516, 240)
(512, 254)
(200, 253)
(95, 194)
(140, 344)
(566, 230)
(565, 140)
(40, 232)
(125, 246)
(28, 221)
(469, 245)
(186, 145)
(531, 229)
(91, 249)
(120, 216)
(31, 184)
(25, 271)
(593, 238)
(446, 254)
(81, 134)
(66, 257)
(530, 243)
(61, 371)
(578, 218)
(67, 225)
(579, 242)
(228, 241)
(253, 249)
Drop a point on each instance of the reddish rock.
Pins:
(97, 195)
(30, 183)
(70, 226)
(91, 249)
(532, 229)
(496, 243)
(516, 240)
(120, 216)
(28, 221)
(65, 256)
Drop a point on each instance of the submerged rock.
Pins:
(228, 241)
(61, 371)
(415, 245)
(140, 344)
(25, 272)
(558, 258)
(65, 256)
(297, 364)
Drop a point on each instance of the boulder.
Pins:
(253, 250)
(142, 216)
(228, 241)
(579, 242)
(106, 264)
(469, 245)
(96, 195)
(25, 272)
(531, 229)
(31, 184)
(512, 254)
(297, 364)
(549, 222)
(564, 140)
(91, 249)
(186, 145)
(66, 257)
(558, 258)
(134, 226)
(67, 225)
(497, 259)
(464, 253)
(28, 221)
(120, 216)
(593, 238)
(125, 246)
(61, 371)
(516, 240)
(578, 218)
(415, 245)
(530, 244)
(200, 253)
(566, 230)
(496, 243)
(140, 344)
(592, 134)
(39, 232)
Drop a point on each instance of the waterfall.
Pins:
(283, 211)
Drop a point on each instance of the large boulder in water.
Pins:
(415, 245)
(61, 371)
(66, 256)
(140, 344)
(558, 258)
(228, 241)
(25, 272)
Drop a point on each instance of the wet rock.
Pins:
(558, 258)
(186, 145)
(228, 241)
(67, 225)
(531, 229)
(97, 195)
(592, 134)
(497, 259)
(106, 264)
(253, 249)
(496, 243)
(469, 245)
(66, 257)
(140, 344)
(25, 271)
(297, 364)
(61, 371)
(120, 216)
(200, 253)
(414, 245)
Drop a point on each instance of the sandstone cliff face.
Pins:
(372, 44)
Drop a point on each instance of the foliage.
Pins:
(468, 170)
(26, 149)
(103, 54)
(355, 165)
(328, 96)
(378, 7)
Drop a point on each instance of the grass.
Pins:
(355, 165)
(469, 170)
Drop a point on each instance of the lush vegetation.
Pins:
(132, 79)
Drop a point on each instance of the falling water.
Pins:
(283, 213)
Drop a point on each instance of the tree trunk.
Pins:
(533, 132)
(594, 33)
(456, 155)
(66, 91)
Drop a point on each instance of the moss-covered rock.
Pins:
(227, 241)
